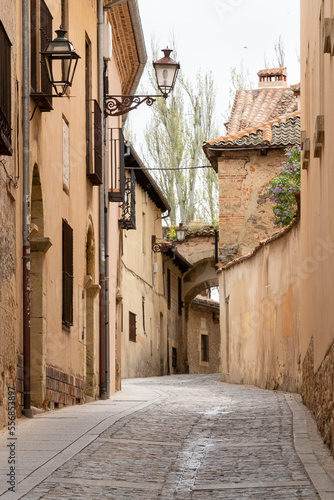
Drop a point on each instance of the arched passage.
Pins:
(201, 276)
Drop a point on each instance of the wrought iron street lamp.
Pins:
(180, 232)
(166, 70)
(60, 61)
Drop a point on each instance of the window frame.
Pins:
(67, 275)
(132, 327)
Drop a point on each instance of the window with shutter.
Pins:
(67, 275)
(132, 327)
(205, 348)
(5, 93)
(40, 35)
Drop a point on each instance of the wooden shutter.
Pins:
(33, 45)
(46, 37)
(5, 93)
(67, 274)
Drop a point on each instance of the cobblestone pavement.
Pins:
(199, 439)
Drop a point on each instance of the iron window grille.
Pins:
(117, 165)
(67, 275)
(128, 219)
(40, 36)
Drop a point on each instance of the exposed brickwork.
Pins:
(62, 389)
(317, 392)
(19, 385)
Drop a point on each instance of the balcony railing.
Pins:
(128, 219)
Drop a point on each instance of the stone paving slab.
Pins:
(181, 438)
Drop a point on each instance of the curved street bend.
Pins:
(178, 437)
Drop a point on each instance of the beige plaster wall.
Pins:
(65, 349)
(260, 317)
(245, 212)
(203, 320)
(139, 280)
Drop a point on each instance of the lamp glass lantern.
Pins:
(166, 70)
(180, 232)
(60, 61)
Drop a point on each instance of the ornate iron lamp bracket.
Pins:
(116, 105)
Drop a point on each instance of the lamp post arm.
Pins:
(116, 105)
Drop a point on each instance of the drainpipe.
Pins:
(27, 411)
(103, 364)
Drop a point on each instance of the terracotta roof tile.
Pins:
(280, 132)
(272, 72)
(252, 107)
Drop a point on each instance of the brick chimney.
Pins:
(273, 77)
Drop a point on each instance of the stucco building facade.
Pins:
(58, 319)
(9, 288)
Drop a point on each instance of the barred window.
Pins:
(67, 275)
(5, 93)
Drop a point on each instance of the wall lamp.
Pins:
(166, 70)
(180, 232)
(60, 61)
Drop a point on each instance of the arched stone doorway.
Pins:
(92, 291)
(39, 245)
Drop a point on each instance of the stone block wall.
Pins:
(62, 389)
(318, 391)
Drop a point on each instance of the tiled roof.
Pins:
(252, 107)
(272, 72)
(280, 132)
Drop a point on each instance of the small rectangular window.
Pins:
(67, 274)
(66, 156)
(132, 327)
(205, 348)
(168, 289)
(179, 296)
(143, 309)
(174, 357)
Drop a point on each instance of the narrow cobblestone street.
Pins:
(180, 437)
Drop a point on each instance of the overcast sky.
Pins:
(219, 34)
